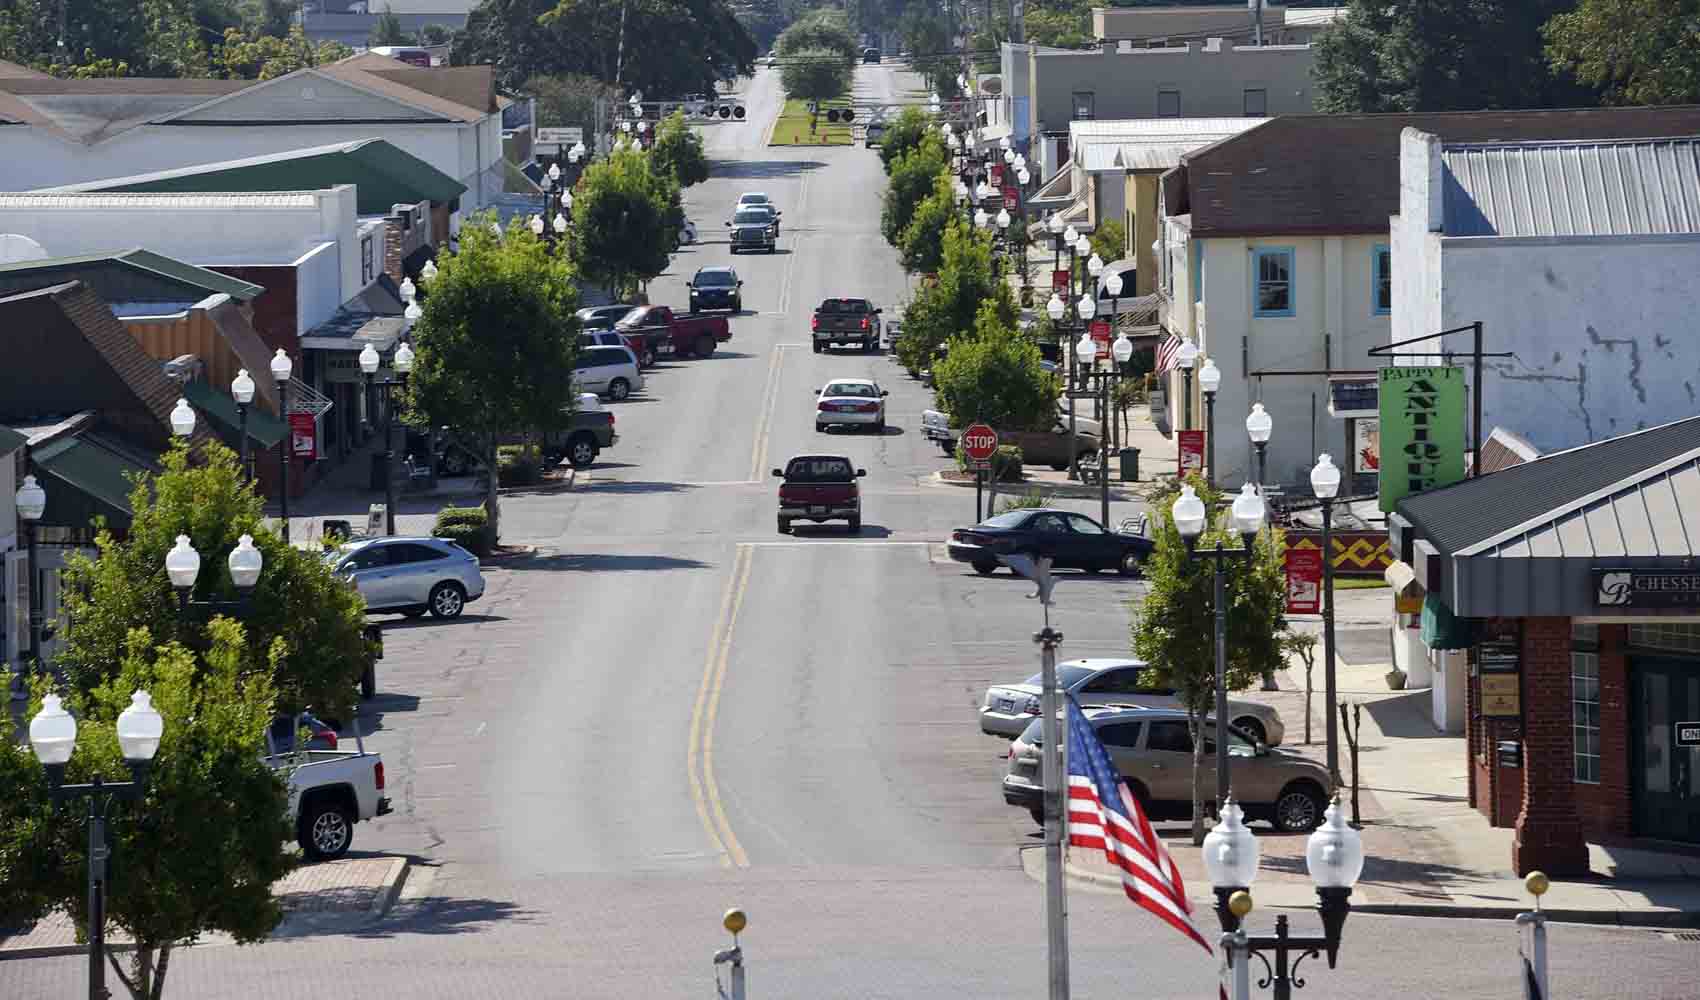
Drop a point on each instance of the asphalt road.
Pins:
(673, 709)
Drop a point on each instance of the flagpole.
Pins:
(1056, 904)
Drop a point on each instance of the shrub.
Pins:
(1006, 463)
(450, 516)
(518, 465)
(468, 527)
(1026, 501)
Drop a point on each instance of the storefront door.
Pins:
(1666, 748)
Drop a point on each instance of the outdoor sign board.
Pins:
(1010, 199)
(1422, 431)
(1366, 445)
(979, 443)
(1635, 588)
(997, 175)
(1501, 679)
(1688, 734)
(1192, 451)
(303, 436)
(1304, 580)
(1101, 336)
(1060, 280)
(559, 136)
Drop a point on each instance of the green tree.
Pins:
(903, 135)
(624, 222)
(934, 53)
(995, 376)
(570, 100)
(951, 306)
(912, 179)
(824, 29)
(300, 616)
(436, 34)
(387, 31)
(1634, 51)
(677, 152)
(1439, 55)
(1174, 625)
(496, 342)
(1109, 241)
(264, 57)
(200, 852)
(922, 245)
(816, 75)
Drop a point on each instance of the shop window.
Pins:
(1382, 286)
(1669, 638)
(1084, 103)
(1256, 103)
(1168, 104)
(1585, 702)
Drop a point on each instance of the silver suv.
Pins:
(1152, 750)
(411, 575)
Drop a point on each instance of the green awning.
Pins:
(100, 474)
(1442, 629)
(264, 429)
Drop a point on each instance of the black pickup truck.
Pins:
(846, 321)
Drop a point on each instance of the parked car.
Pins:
(1152, 750)
(607, 371)
(329, 792)
(716, 288)
(1073, 541)
(850, 402)
(1050, 447)
(613, 338)
(871, 56)
(819, 488)
(667, 333)
(1007, 708)
(411, 575)
(602, 317)
(590, 430)
(873, 135)
(845, 321)
(753, 229)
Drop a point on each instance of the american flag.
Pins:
(1166, 353)
(1103, 815)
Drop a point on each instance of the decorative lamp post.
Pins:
(1082, 250)
(1113, 285)
(411, 315)
(1334, 856)
(183, 567)
(1209, 380)
(242, 390)
(576, 153)
(1325, 483)
(1186, 356)
(182, 419)
(53, 737)
(428, 272)
(1259, 425)
(1094, 263)
(403, 364)
(281, 367)
(981, 218)
(1054, 308)
(1003, 220)
(1189, 516)
(1054, 225)
(31, 501)
(408, 290)
(536, 225)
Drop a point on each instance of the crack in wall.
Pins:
(1610, 344)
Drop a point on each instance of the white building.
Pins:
(1578, 257)
(67, 131)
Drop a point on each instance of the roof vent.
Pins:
(15, 249)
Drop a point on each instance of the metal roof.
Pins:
(1617, 497)
(1607, 188)
(100, 200)
(1130, 129)
(127, 276)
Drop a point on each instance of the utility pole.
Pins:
(1017, 30)
(1257, 21)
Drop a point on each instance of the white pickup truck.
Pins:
(329, 792)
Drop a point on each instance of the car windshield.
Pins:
(714, 279)
(860, 390)
(833, 307)
(634, 318)
(1008, 519)
(753, 199)
(752, 216)
(819, 470)
(1068, 676)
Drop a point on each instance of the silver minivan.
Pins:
(411, 576)
(607, 371)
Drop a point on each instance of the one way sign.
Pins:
(1688, 734)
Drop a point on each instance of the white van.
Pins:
(607, 371)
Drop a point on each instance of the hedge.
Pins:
(468, 527)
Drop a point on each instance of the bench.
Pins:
(1091, 470)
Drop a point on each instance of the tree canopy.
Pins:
(912, 178)
(951, 306)
(922, 245)
(903, 134)
(496, 344)
(301, 618)
(677, 152)
(1632, 51)
(994, 375)
(824, 28)
(624, 224)
(816, 74)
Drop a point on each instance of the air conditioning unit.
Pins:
(186, 368)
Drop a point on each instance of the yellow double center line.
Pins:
(699, 761)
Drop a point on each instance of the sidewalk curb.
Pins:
(392, 890)
(1071, 491)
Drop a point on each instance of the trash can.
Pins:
(1130, 465)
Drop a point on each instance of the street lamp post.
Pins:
(183, 566)
(281, 367)
(1055, 225)
(31, 502)
(403, 365)
(1259, 426)
(1325, 483)
(53, 737)
(1084, 310)
(1334, 856)
(1190, 520)
(242, 390)
(1082, 249)
(1209, 380)
(1185, 357)
(1086, 350)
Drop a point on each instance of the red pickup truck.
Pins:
(668, 333)
(820, 488)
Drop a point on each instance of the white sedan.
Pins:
(851, 402)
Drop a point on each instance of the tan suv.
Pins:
(1152, 750)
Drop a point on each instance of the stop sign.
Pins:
(979, 443)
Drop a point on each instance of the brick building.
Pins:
(1573, 581)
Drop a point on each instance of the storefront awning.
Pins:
(264, 429)
(1442, 629)
(101, 472)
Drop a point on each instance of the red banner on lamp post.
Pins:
(303, 436)
(1304, 581)
(1061, 279)
(1101, 336)
(997, 175)
(1011, 199)
(1192, 451)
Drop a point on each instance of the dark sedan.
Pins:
(602, 317)
(1073, 541)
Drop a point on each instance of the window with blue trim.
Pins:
(1272, 274)
(1381, 291)
(1197, 271)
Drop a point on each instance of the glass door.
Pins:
(1665, 762)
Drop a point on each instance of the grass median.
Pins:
(792, 126)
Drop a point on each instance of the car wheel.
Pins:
(1059, 466)
(705, 346)
(856, 525)
(648, 358)
(581, 450)
(447, 600)
(1299, 808)
(737, 305)
(369, 682)
(879, 426)
(324, 831)
(1254, 729)
(619, 389)
(1037, 814)
(948, 447)
(984, 567)
(817, 347)
(1129, 564)
(820, 428)
(784, 526)
(413, 612)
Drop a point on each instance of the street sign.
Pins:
(1082, 394)
(1688, 734)
(979, 443)
(564, 136)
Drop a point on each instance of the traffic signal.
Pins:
(738, 112)
(832, 114)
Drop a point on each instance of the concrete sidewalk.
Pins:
(326, 897)
(1428, 852)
